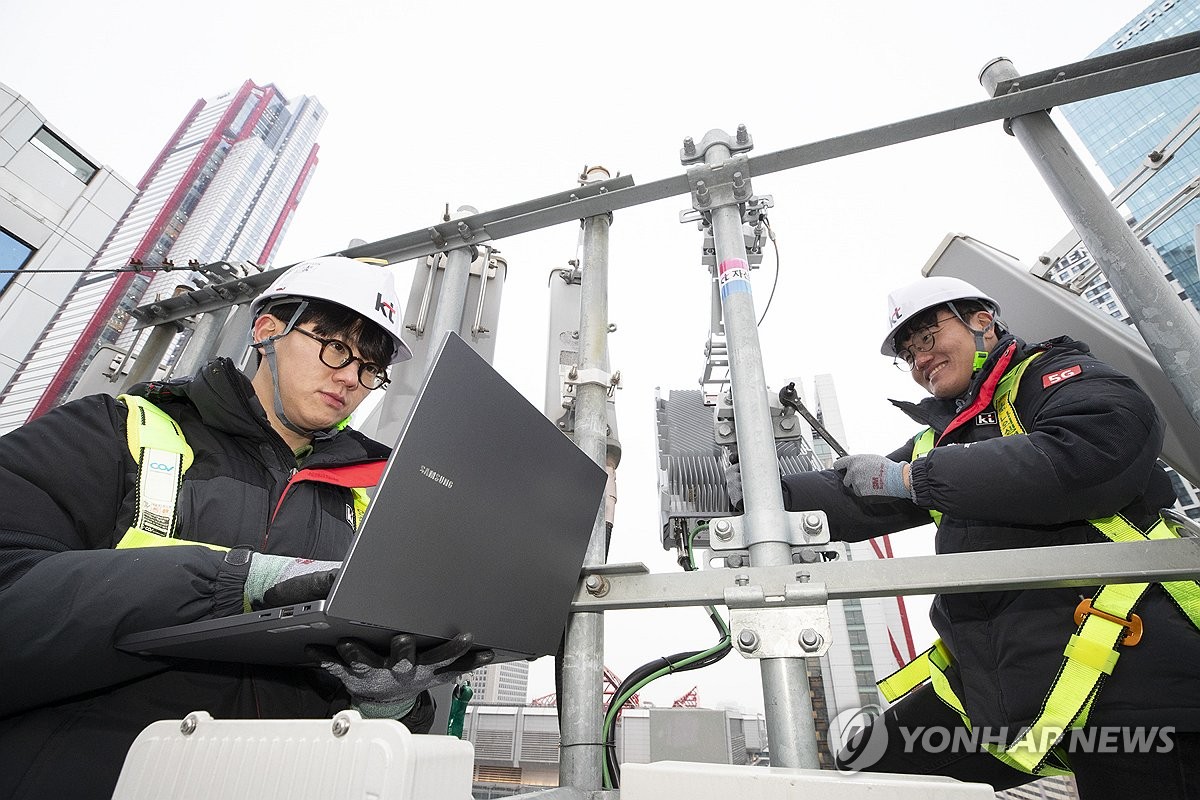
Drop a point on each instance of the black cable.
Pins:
(775, 283)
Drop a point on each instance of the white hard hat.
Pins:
(908, 301)
(368, 290)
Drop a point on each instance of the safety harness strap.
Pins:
(162, 454)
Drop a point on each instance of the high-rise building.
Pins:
(1123, 132)
(502, 683)
(223, 188)
(57, 205)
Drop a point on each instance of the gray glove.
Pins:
(282, 580)
(733, 478)
(869, 476)
(387, 687)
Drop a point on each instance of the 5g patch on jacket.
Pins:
(1061, 375)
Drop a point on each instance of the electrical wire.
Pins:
(645, 674)
(775, 283)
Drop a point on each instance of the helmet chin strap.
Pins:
(268, 349)
(981, 352)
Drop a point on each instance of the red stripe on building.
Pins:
(86, 342)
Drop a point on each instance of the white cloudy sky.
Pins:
(488, 104)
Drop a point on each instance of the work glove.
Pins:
(387, 687)
(733, 477)
(283, 581)
(869, 476)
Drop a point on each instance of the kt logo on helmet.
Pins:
(896, 315)
(388, 309)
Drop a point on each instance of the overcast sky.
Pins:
(492, 104)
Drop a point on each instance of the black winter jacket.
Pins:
(71, 704)
(1090, 451)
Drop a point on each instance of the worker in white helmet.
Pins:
(1025, 445)
(267, 494)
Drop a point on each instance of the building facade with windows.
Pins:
(57, 206)
(223, 188)
(1123, 131)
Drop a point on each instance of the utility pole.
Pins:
(719, 175)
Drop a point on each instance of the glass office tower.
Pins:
(1122, 130)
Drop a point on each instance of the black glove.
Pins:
(388, 687)
(283, 581)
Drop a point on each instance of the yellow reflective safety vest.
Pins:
(1105, 623)
(163, 455)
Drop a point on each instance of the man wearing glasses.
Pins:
(1025, 445)
(265, 496)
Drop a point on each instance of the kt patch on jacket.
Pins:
(1061, 375)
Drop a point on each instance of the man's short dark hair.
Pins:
(338, 322)
(929, 317)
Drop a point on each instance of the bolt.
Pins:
(689, 147)
(1155, 156)
(741, 580)
(341, 726)
(723, 530)
(812, 523)
(787, 423)
(810, 640)
(702, 198)
(738, 180)
(188, 726)
(724, 429)
(747, 641)
(1044, 259)
(743, 136)
(573, 373)
(596, 585)
(805, 555)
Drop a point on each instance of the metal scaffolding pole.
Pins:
(719, 185)
(151, 354)
(1171, 333)
(201, 347)
(582, 703)
(452, 295)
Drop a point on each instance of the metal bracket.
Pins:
(798, 628)
(805, 529)
(720, 185)
(740, 142)
(783, 419)
(589, 377)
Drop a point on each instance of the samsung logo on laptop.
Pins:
(437, 477)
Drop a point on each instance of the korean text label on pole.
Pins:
(719, 176)
(1170, 331)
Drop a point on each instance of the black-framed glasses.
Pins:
(336, 354)
(918, 342)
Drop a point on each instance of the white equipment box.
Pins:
(347, 757)
(723, 781)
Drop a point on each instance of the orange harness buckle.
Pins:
(1134, 625)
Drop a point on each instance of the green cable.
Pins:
(619, 701)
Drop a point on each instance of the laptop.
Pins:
(480, 524)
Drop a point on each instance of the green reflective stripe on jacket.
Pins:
(162, 454)
(922, 445)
